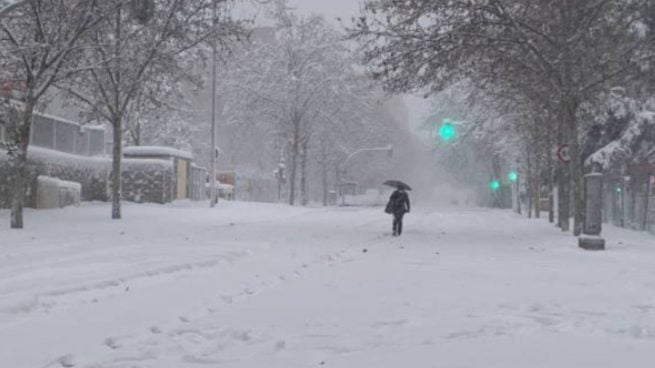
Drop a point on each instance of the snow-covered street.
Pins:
(253, 285)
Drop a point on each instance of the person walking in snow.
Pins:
(398, 206)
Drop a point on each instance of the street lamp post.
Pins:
(212, 183)
(342, 172)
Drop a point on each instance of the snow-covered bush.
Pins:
(148, 180)
(143, 180)
(90, 172)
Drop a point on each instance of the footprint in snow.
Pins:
(184, 319)
(227, 299)
(67, 361)
(111, 343)
(385, 324)
(155, 330)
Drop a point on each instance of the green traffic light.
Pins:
(513, 176)
(447, 130)
(619, 190)
(494, 185)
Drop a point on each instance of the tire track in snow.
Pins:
(209, 345)
(49, 300)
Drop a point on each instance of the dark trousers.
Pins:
(398, 223)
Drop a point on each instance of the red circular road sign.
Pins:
(563, 153)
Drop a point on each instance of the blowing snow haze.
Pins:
(309, 183)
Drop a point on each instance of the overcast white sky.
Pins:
(330, 8)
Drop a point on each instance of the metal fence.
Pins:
(198, 183)
(629, 209)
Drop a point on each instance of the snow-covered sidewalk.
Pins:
(254, 285)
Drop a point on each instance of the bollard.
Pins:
(591, 240)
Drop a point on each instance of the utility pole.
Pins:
(212, 179)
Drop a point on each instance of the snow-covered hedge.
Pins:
(148, 180)
(90, 172)
(143, 180)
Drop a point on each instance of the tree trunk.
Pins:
(634, 188)
(137, 134)
(568, 171)
(21, 137)
(644, 225)
(337, 182)
(537, 188)
(295, 146)
(576, 169)
(117, 124)
(529, 182)
(563, 198)
(324, 177)
(551, 178)
(117, 153)
(303, 174)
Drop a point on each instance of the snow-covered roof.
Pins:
(157, 151)
(94, 127)
(59, 183)
(63, 157)
(58, 119)
(147, 162)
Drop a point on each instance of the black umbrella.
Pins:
(397, 184)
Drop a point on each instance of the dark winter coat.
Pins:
(398, 203)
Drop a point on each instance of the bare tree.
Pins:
(40, 46)
(139, 48)
(295, 82)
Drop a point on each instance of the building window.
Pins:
(2, 133)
